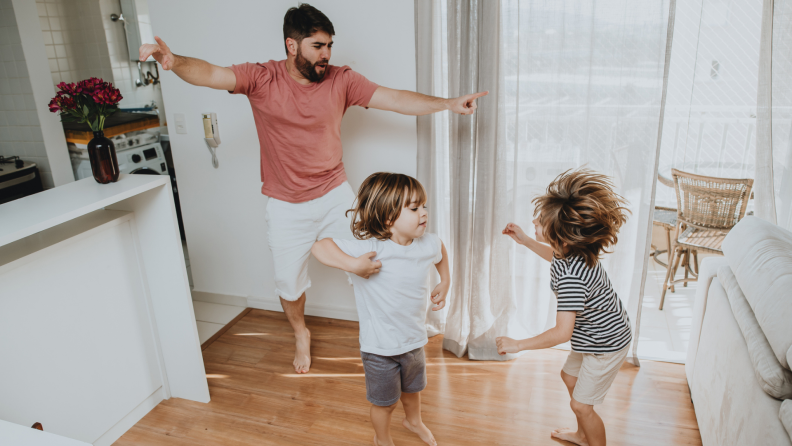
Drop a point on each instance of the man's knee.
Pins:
(581, 409)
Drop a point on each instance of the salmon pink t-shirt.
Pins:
(299, 126)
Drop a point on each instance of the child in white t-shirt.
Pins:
(391, 261)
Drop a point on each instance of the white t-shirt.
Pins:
(392, 304)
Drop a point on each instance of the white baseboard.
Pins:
(346, 314)
(216, 298)
(126, 423)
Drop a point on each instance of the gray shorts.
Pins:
(388, 376)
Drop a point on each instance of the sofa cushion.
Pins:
(731, 407)
(707, 271)
(785, 414)
(760, 256)
(775, 380)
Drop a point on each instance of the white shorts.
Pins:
(293, 229)
(595, 374)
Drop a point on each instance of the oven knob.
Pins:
(136, 158)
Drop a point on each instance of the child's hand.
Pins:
(439, 294)
(516, 233)
(364, 267)
(507, 345)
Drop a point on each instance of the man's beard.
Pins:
(307, 69)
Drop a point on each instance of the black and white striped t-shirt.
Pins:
(602, 324)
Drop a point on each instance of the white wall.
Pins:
(223, 208)
(74, 39)
(82, 41)
(125, 72)
(27, 128)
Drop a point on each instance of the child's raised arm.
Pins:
(519, 236)
(327, 252)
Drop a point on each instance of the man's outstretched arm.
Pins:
(417, 104)
(193, 71)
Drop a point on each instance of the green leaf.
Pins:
(94, 126)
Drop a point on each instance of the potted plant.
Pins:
(91, 101)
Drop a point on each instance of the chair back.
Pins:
(710, 202)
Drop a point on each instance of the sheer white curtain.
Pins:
(571, 83)
(773, 187)
(710, 116)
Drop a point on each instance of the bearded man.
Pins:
(298, 104)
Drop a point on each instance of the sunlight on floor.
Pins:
(665, 333)
(321, 375)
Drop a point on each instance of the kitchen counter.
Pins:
(95, 308)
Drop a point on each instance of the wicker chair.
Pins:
(665, 218)
(707, 208)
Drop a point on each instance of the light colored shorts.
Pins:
(388, 376)
(293, 229)
(595, 374)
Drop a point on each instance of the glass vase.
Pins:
(104, 164)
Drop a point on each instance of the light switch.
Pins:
(181, 122)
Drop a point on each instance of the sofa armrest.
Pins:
(707, 271)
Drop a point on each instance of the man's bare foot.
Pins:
(302, 354)
(422, 431)
(569, 435)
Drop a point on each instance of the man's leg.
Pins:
(292, 232)
(295, 312)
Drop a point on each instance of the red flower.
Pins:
(68, 103)
(107, 94)
(70, 89)
(89, 101)
(53, 105)
(59, 103)
(89, 86)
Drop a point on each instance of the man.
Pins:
(297, 105)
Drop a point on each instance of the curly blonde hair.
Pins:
(581, 214)
(380, 200)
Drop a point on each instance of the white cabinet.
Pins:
(96, 318)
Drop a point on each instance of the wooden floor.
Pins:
(258, 400)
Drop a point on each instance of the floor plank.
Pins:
(257, 398)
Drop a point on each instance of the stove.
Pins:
(18, 178)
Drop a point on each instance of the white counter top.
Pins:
(29, 215)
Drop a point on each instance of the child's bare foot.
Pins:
(422, 431)
(302, 354)
(567, 434)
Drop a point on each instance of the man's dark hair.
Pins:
(303, 21)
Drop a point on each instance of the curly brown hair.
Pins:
(581, 214)
(380, 200)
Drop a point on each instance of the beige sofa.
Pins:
(738, 361)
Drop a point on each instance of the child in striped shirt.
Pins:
(578, 218)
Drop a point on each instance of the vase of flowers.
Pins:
(91, 101)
